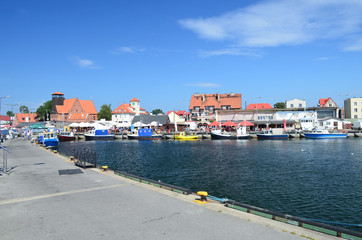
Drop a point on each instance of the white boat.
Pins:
(99, 134)
(323, 133)
(240, 134)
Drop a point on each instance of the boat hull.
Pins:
(101, 137)
(50, 143)
(273, 137)
(136, 137)
(325, 136)
(220, 136)
(66, 138)
(186, 137)
(246, 136)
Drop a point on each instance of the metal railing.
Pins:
(85, 158)
(4, 167)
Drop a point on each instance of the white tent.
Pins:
(155, 124)
(74, 124)
(83, 124)
(139, 124)
(124, 124)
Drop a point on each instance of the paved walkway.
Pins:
(38, 203)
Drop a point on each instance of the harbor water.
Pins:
(320, 179)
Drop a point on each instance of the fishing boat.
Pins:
(272, 134)
(144, 134)
(240, 134)
(323, 134)
(184, 136)
(99, 134)
(50, 140)
(66, 136)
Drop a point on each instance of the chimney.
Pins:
(203, 98)
(218, 97)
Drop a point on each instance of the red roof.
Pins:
(87, 106)
(124, 108)
(22, 117)
(323, 101)
(178, 113)
(5, 118)
(135, 100)
(259, 106)
(57, 93)
(216, 100)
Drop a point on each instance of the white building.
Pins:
(353, 108)
(125, 112)
(295, 103)
(331, 123)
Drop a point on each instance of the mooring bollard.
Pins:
(55, 151)
(105, 168)
(203, 197)
(71, 158)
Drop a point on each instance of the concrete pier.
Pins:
(40, 199)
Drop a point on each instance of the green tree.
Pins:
(10, 113)
(44, 110)
(279, 105)
(105, 112)
(157, 111)
(23, 109)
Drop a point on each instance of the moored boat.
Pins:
(144, 134)
(184, 136)
(272, 135)
(50, 140)
(323, 134)
(66, 136)
(99, 134)
(240, 134)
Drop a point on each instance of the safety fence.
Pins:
(4, 167)
(297, 221)
(154, 183)
(85, 158)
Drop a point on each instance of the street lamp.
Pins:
(0, 104)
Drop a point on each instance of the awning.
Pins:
(214, 124)
(246, 123)
(229, 124)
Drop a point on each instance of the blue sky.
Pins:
(162, 52)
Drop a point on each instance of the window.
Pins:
(300, 105)
(355, 116)
(292, 105)
(355, 103)
(196, 108)
(227, 107)
(330, 105)
(355, 110)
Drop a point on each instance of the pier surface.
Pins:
(39, 199)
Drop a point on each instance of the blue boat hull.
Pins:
(273, 137)
(100, 137)
(325, 136)
(50, 143)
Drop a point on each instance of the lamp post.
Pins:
(12, 106)
(0, 105)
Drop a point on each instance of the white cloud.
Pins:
(282, 22)
(322, 58)
(230, 51)
(204, 85)
(354, 45)
(83, 63)
(126, 49)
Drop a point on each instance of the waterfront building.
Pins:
(125, 112)
(72, 110)
(270, 118)
(259, 106)
(24, 118)
(295, 103)
(331, 123)
(204, 106)
(176, 116)
(353, 108)
(327, 102)
(152, 121)
(4, 120)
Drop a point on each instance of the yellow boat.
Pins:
(184, 136)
